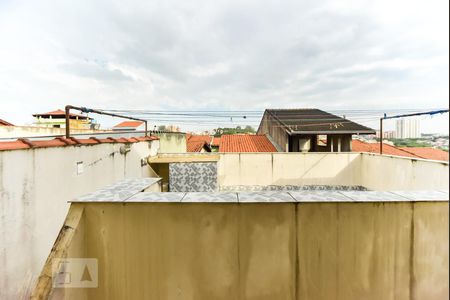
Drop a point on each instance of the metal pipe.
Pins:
(90, 110)
(385, 117)
(381, 135)
(434, 112)
(67, 109)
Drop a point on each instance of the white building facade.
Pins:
(408, 128)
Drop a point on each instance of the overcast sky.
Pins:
(186, 55)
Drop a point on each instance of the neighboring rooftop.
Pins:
(133, 124)
(312, 121)
(23, 143)
(246, 143)
(216, 141)
(128, 125)
(198, 143)
(412, 152)
(5, 123)
(60, 114)
(428, 153)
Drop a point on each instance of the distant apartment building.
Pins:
(408, 128)
(387, 134)
(173, 128)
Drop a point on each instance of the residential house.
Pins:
(57, 119)
(309, 130)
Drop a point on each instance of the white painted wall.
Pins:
(34, 131)
(373, 171)
(35, 185)
(289, 169)
(387, 173)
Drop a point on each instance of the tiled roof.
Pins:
(313, 121)
(428, 153)
(129, 124)
(5, 123)
(215, 141)
(196, 146)
(246, 143)
(195, 143)
(360, 146)
(204, 138)
(62, 142)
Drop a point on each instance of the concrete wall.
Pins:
(384, 173)
(289, 169)
(314, 251)
(35, 185)
(375, 172)
(171, 142)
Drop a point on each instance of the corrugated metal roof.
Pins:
(310, 121)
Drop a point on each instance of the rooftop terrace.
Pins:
(270, 226)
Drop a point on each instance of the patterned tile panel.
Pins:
(156, 197)
(257, 188)
(246, 197)
(318, 196)
(219, 197)
(423, 195)
(193, 177)
(373, 196)
(119, 191)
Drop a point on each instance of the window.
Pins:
(322, 140)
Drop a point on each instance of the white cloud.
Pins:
(222, 54)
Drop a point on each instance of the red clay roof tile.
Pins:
(216, 141)
(246, 143)
(361, 146)
(129, 124)
(196, 146)
(62, 142)
(428, 153)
